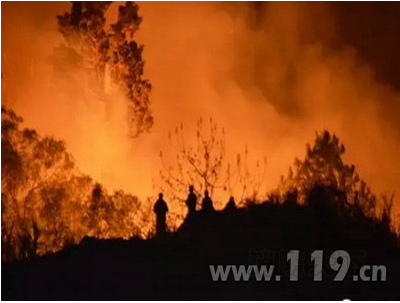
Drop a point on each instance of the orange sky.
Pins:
(266, 73)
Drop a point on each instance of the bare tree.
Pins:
(205, 165)
(199, 164)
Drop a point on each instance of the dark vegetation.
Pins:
(177, 266)
(47, 205)
(65, 237)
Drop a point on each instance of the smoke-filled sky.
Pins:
(271, 74)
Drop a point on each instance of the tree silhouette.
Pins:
(29, 163)
(203, 163)
(386, 213)
(47, 203)
(200, 164)
(109, 55)
(324, 166)
(119, 215)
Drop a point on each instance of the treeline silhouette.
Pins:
(176, 266)
(47, 203)
(48, 206)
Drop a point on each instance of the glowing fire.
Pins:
(270, 86)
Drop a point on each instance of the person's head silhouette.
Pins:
(206, 193)
(191, 188)
(160, 196)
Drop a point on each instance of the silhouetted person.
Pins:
(230, 206)
(160, 209)
(207, 204)
(191, 201)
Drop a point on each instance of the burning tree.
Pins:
(46, 203)
(119, 215)
(110, 56)
(31, 166)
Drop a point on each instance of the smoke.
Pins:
(270, 74)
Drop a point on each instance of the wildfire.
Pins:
(269, 77)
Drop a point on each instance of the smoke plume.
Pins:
(270, 74)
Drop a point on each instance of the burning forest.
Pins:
(107, 104)
(101, 133)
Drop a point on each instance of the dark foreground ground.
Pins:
(177, 267)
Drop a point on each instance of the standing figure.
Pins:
(191, 201)
(160, 209)
(207, 204)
